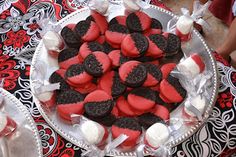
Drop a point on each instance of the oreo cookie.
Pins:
(157, 46)
(154, 75)
(100, 20)
(106, 121)
(89, 47)
(70, 38)
(67, 57)
(76, 75)
(98, 104)
(134, 45)
(138, 21)
(111, 83)
(129, 127)
(171, 91)
(97, 64)
(117, 58)
(107, 47)
(156, 28)
(58, 77)
(173, 44)
(69, 97)
(115, 34)
(87, 30)
(118, 20)
(133, 73)
(156, 24)
(142, 99)
(148, 119)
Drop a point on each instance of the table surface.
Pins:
(19, 34)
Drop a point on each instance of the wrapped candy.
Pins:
(184, 27)
(43, 90)
(100, 6)
(194, 107)
(157, 135)
(53, 43)
(191, 66)
(7, 125)
(95, 135)
(51, 38)
(45, 93)
(135, 5)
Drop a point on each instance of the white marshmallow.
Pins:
(198, 102)
(3, 121)
(52, 41)
(189, 67)
(100, 6)
(184, 24)
(131, 5)
(92, 132)
(157, 134)
(45, 96)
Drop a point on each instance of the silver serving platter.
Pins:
(25, 141)
(197, 44)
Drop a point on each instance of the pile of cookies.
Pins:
(117, 73)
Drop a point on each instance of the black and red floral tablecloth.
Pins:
(19, 36)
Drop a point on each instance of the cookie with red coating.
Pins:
(171, 91)
(142, 98)
(161, 111)
(111, 83)
(87, 30)
(68, 57)
(89, 47)
(100, 20)
(123, 106)
(70, 38)
(154, 75)
(129, 127)
(157, 45)
(133, 73)
(167, 68)
(97, 63)
(76, 75)
(138, 21)
(117, 58)
(116, 34)
(65, 111)
(86, 88)
(118, 20)
(98, 104)
(134, 45)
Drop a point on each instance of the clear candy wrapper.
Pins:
(50, 34)
(43, 89)
(195, 79)
(135, 5)
(183, 26)
(99, 142)
(100, 6)
(18, 133)
(7, 125)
